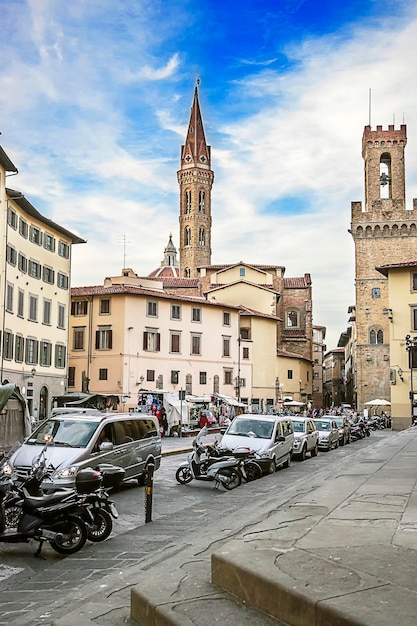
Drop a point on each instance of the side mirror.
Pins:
(106, 446)
(281, 439)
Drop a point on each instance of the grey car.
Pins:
(306, 437)
(328, 433)
(130, 441)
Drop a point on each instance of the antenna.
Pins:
(370, 92)
(125, 242)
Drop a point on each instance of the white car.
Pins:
(306, 437)
(328, 433)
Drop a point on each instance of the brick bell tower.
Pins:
(383, 232)
(195, 179)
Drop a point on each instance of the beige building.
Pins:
(35, 297)
(319, 348)
(334, 390)
(129, 335)
(402, 337)
(382, 229)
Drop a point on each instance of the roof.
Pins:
(298, 282)
(116, 289)
(172, 282)
(6, 162)
(29, 209)
(384, 269)
(246, 311)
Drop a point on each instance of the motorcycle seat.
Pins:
(33, 502)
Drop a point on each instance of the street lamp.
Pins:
(411, 347)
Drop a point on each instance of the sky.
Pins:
(95, 99)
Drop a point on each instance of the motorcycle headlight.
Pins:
(66, 472)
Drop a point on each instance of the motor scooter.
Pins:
(224, 471)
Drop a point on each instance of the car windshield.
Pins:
(64, 432)
(339, 421)
(251, 428)
(323, 425)
(299, 426)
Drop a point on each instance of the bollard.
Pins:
(150, 468)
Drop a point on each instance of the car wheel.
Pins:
(336, 445)
(302, 455)
(273, 466)
(287, 463)
(315, 450)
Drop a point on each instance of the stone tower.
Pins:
(195, 179)
(384, 231)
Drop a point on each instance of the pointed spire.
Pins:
(195, 151)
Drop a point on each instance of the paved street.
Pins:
(42, 587)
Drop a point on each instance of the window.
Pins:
(60, 355)
(78, 338)
(9, 298)
(45, 354)
(150, 376)
(175, 342)
(289, 374)
(32, 346)
(104, 338)
(188, 199)
(35, 235)
(414, 281)
(33, 308)
(20, 303)
(152, 308)
(376, 336)
(245, 353)
(47, 306)
(228, 377)
(151, 340)
(61, 315)
(175, 312)
(242, 271)
(62, 281)
(48, 275)
(49, 242)
(226, 318)
(201, 236)
(23, 227)
(22, 263)
(71, 376)
(196, 315)
(196, 344)
(105, 306)
(11, 255)
(201, 201)
(376, 292)
(19, 351)
(203, 378)
(292, 319)
(245, 333)
(35, 269)
(8, 341)
(226, 346)
(174, 377)
(11, 218)
(102, 373)
(414, 319)
(188, 236)
(79, 307)
(63, 249)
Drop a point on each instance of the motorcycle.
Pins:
(225, 471)
(91, 499)
(249, 461)
(42, 518)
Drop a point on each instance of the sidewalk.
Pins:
(333, 550)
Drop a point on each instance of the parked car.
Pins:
(344, 428)
(306, 437)
(269, 435)
(328, 433)
(129, 441)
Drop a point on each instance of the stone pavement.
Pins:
(327, 551)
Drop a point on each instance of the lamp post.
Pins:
(411, 347)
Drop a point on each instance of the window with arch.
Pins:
(202, 237)
(292, 318)
(188, 200)
(385, 175)
(201, 202)
(187, 272)
(187, 236)
(376, 336)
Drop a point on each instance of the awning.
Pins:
(229, 400)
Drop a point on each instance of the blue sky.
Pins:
(94, 104)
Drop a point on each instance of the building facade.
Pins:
(34, 297)
(382, 229)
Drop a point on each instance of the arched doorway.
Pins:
(43, 403)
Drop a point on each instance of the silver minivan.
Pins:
(84, 440)
(271, 436)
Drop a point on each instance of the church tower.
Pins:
(384, 231)
(195, 179)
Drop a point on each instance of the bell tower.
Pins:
(195, 180)
(383, 232)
